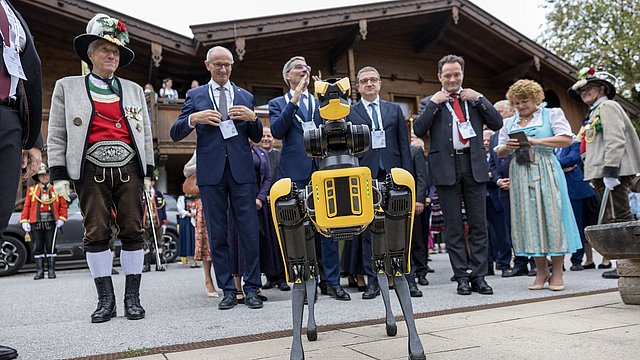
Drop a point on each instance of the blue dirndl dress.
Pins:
(542, 220)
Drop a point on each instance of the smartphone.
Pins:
(520, 136)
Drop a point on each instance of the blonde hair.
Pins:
(526, 89)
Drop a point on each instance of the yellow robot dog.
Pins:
(341, 201)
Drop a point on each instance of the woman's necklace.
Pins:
(117, 121)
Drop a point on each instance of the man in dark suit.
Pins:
(20, 141)
(389, 148)
(419, 242)
(274, 154)
(499, 239)
(454, 117)
(290, 115)
(222, 115)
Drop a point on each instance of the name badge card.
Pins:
(466, 130)
(378, 140)
(308, 125)
(12, 61)
(228, 129)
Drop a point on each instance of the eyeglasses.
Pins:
(219, 66)
(301, 66)
(586, 89)
(373, 80)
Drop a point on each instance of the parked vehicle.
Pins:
(15, 252)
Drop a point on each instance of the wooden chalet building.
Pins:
(403, 39)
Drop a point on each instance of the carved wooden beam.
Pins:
(432, 33)
(507, 77)
(342, 47)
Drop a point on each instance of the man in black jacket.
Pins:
(20, 140)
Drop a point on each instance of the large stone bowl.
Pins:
(620, 241)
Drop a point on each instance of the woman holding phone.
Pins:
(543, 223)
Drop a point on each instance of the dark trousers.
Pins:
(102, 190)
(215, 201)
(576, 205)
(474, 195)
(42, 236)
(500, 240)
(617, 208)
(419, 243)
(11, 150)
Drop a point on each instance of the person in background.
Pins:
(167, 90)
(43, 212)
(186, 221)
(611, 146)
(156, 224)
(542, 219)
(202, 251)
(194, 84)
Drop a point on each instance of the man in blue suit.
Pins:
(389, 148)
(582, 196)
(290, 116)
(222, 115)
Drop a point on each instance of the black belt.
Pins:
(9, 102)
(461, 151)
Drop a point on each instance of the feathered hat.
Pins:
(106, 28)
(589, 75)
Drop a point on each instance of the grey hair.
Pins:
(366, 69)
(504, 103)
(219, 48)
(287, 67)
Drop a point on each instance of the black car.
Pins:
(15, 252)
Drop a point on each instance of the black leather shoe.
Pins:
(338, 293)
(422, 280)
(323, 287)
(480, 286)
(106, 300)
(7, 353)
(39, 269)
(429, 269)
(372, 291)
(269, 285)
(611, 274)
(463, 287)
(413, 290)
(228, 302)
(283, 286)
(252, 301)
(576, 267)
(132, 308)
(516, 271)
(51, 269)
(260, 296)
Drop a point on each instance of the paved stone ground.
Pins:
(49, 319)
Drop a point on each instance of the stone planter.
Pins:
(620, 241)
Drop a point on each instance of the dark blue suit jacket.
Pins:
(212, 149)
(578, 188)
(492, 187)
(294, 162)
(498, 167)
(397, 152)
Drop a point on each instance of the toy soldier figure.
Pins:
(44, 212)
(159, 223)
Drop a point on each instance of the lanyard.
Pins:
(453, 114)
(12, 18)
(311, 106)
(213, 99)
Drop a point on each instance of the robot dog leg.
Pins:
(398, 201)
(294, 232)
(379, 251)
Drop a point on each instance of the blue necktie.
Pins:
(376, 124)
(302, 108)
(374, 116)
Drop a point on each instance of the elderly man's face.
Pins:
(105, 57)
(267, 139)
(505, 111)
(451, 77)
(219, 64)
(299, 69)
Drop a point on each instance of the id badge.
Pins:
(466, 130)
(308, 125)
(12, 61)
(228, 129)
(378, 140)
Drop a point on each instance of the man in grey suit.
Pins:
(454, 117)
(389, 148)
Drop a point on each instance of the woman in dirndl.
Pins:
(542, 221)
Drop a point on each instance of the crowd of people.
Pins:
(505, 184)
